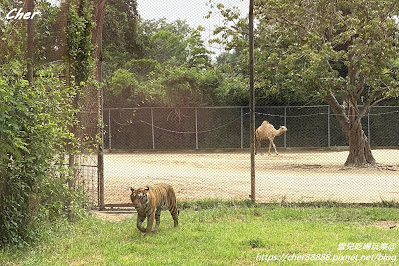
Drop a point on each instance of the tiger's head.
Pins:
(139, 196)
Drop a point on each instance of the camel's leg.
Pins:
(257, 146)
(270, 145)
(274, 146)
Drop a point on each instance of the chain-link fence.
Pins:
(228, 127)
(203, 153)
(84, 164)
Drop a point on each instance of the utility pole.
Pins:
(252, 97)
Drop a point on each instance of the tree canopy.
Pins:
(170, 60)
(344, 53)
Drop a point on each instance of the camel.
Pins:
(267, 131)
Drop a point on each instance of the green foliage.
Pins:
(355, 36)
(174, 68)
(147, 28)
(164, 86)
(338, 52)
(141, 68)
(121, 40)
(46, 33)
(235, 91)
(198, 55)
(167, 46)
(181, 86)
(11, 48)
(120, 28)
(124, 88)
(34, 128)
(80, 48)
(304, 51)
(33, 133)
(121, 80)
(214, 203)
(256, 243)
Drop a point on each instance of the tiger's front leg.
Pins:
(140, 220)
(150, 222)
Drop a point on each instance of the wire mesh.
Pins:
(84, 164)
(203, 152)
(87, 175)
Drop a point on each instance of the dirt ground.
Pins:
(290, 176)
(112, 216)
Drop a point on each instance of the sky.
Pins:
(193, 11)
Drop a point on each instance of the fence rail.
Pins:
(228, 127)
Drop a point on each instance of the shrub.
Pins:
(34, 123)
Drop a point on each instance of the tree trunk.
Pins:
(359, 146)
(349, 118)
(30, 48)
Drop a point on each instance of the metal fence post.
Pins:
(100, 119)
(109, 130)
(285, 124)
(242, 127)
(368, 128)
(252, 96)
(328, 128)
(196, 128)
(152, 129)
(100, 173)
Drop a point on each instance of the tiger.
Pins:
(149, 201)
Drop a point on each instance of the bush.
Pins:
(34, 123)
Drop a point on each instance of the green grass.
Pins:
(211, 233)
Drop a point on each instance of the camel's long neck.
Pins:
(280, 132)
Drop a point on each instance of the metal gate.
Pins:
(85, 172)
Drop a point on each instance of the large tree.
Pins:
(120, 37)
(342, 51)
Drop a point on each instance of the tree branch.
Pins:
(360, 87)
(373, 101)
(338, 110)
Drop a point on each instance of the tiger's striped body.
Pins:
(149, 201)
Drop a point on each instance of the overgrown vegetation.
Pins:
(34, 124)
(37, 123)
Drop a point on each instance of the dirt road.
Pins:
(292, 176)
